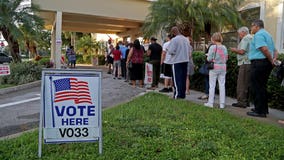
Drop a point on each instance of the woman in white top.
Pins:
(219, 55)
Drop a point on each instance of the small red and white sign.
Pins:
(148, 73)
(4, 69)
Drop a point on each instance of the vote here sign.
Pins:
(71, 105)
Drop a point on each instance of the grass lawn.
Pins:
(156, 127)
(5, 86)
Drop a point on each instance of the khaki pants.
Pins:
(243, 84)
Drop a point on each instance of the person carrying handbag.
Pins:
(218, 53)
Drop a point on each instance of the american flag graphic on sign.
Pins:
(72, 89)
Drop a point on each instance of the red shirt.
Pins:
(116, 55)
(137, 56)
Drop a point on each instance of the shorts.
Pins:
(167, 70)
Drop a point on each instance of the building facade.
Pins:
(271, 12)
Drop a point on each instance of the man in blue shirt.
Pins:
(123, 49)
(262, 55)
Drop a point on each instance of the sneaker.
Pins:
(222, 106)
(165, 90)
(204, 97)
(170, 89)
(208, 105)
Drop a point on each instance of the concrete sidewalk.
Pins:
(272, 118)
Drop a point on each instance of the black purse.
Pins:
(210, 65)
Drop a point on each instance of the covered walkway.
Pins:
(121, 17)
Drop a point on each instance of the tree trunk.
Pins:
(12, 44)
(32, 48)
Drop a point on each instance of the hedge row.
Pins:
(22, 73)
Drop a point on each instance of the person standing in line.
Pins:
(129, 46)
(123, 49)
(205, 72)
(262, 55)
(135, 56)
(179, 49)
(167, 67)
(72, 57)
(244, 68)
(67, 55)
(109, 56)
(116, 63)
(154, 52)
(190, 70)
(219, 55)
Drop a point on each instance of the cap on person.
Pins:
(153, 39)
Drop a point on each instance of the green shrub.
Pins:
(197, 80)
(45, 62)
(22, 73)
(83, 59)
(101, 59)
(276, 93)
(79, 58)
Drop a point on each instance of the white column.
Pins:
(52, 47)
(262, 10)
(73, 38)
(58, 40)
(279, 44)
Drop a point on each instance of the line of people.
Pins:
(174, 57)
(256, 57)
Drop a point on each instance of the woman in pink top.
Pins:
(219, 55)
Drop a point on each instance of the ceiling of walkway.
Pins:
(121, 17)
(91, 24)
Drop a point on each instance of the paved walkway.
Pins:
(273, 117)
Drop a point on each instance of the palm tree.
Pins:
(88, 46)
(192, 16)
(13, 16)
(30, 41)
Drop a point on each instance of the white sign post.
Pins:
(70, 107)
